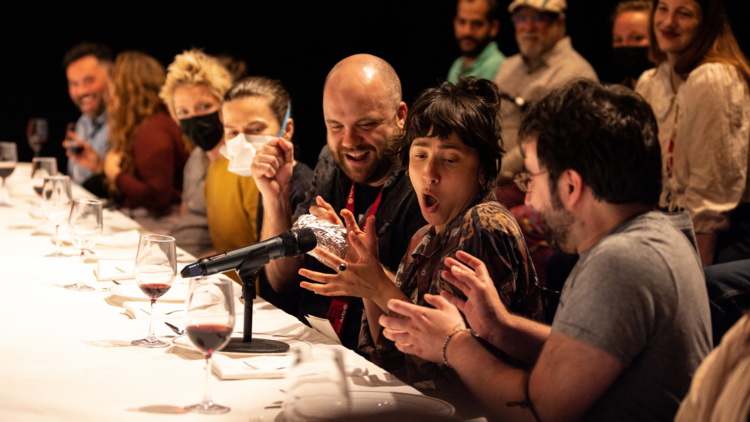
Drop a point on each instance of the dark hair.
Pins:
(493, 10)
(102, 53)
(608, 134)
(470, 110)
(713, 43)
(258, 86)
(237, 68)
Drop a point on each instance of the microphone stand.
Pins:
(249, 275)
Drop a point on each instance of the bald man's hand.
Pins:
(272, 168)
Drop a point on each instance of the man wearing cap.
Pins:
(546, 61)
(476, 25)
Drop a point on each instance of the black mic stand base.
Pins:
(247, 344)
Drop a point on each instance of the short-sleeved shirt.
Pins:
(95, 133)
(484, 67)
(559, 65)
(397, 219)
(487, 231)
(640, 296)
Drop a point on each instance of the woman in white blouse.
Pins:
(699, 93)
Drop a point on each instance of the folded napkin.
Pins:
(140, 310)
(262, 367)
(120, 269)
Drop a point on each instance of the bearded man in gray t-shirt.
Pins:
(633, 322)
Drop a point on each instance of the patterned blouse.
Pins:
(487, 231)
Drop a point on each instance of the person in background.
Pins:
(720, 390)
(193, 90)
(86, 67)
(630, 40)
(699, 93)
(144, 167)
(256, 106)
(236, 67)
(363, 112)
(633, 323)
(451, 146)
(476, 25)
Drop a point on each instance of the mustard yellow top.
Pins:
(231, 207)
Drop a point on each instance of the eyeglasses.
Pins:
(523, 178)
(534, 19)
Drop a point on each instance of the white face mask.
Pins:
(240, 151)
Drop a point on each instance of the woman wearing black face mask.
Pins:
(193, 90)
(630, 40)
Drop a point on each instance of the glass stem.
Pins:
(80, 272)
(57, 239)
(151, 336)
(207, 394)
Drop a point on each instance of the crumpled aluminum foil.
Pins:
(331, 237)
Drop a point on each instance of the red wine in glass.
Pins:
(154, 290)
(6, 169)
(208, 337)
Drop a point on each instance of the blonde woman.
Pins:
(195, 84)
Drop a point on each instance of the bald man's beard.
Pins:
(381, 164)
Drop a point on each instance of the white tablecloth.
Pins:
(65, 355)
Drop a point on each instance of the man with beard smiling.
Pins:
(86, 66)
(476, 25)
(633, 323)
(355, 171)
(546, 61)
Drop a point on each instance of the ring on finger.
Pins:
(342, 267)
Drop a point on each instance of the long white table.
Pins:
(65, 355)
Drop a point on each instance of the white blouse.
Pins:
(707, 125)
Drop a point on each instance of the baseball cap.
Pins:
(555, 6)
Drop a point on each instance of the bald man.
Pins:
(363, 113)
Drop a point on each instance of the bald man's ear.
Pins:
(401, 115)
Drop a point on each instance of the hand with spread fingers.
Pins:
(483, 309)
(362, 278)
(422, 331)
(324, 211)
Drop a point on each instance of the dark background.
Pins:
(294, 41)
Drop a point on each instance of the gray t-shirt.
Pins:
(639, 295)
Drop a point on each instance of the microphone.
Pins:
(291, 243)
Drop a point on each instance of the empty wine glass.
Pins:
(42, 167)
(36, 133)
(317, 388)
(8, 159)
(85, 224)
(155, 269)
(209, 321)
(56, 201)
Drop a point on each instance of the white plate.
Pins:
(178, 292)
(379, 402)
(294, 343)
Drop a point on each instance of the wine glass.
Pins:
(8, 159)
(85, 228)
(36, 133)
(317, 388)
(56, 201)
(209, 321)
(155, 269)
(42, 167)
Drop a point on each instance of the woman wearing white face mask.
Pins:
(192, 92)
(256, 110)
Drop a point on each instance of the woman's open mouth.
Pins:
(430, 202)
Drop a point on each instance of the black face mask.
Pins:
(205, 131)
(632, 61)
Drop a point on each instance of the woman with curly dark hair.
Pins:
(144, 167)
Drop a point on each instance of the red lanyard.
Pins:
(373, 208)
(340, 304)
